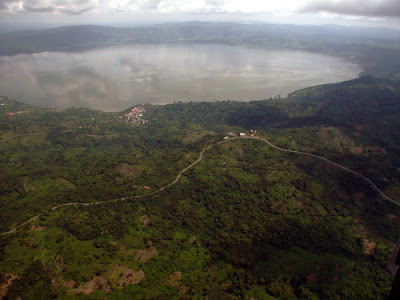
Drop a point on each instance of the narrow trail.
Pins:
(23, 134)
(200, 158)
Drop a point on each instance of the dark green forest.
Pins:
(246, 222)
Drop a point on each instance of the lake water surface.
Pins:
(115, 78)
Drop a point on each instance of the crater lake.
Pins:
(117, 77)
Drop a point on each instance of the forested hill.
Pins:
(358, 100)
(355, 100)
(376, 50)
(247, 220)
(365, 99)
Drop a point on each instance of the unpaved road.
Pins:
(386, 197)
(23, 134)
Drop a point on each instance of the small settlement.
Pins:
(136, 114)
(251, 132)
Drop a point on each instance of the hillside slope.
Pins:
(247, 220)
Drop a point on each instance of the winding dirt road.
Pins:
(386, 197)
(23, 134)
(333, 163)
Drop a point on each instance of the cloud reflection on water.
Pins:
(114, 78)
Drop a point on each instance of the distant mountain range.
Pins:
(267, 35)
(377, 49)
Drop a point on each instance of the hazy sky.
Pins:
(357, 12)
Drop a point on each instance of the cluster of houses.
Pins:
(136, 114)
(251, 132)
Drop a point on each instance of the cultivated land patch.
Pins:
(369, 246)
(145, 220)
(174, 279)
(130, 276)
(127, 170)
(8, 280)
(95, 284)
(144, 255)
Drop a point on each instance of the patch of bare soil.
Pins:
(144, 255)
(357, 150)
(358, 229)
(369, 246)
(97, 283)
(145, 220)
(337, 142)
(226, 286)
(391, 217)
(130, 276)
(328, 133)
(324, 130)
(8, 280)
(69, 285)
(334, 137)
(183, 290)
(27, 187)
(127, 170)
(62, 181)
(174, 279)
(38, 228)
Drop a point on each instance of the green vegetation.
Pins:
(247, 221)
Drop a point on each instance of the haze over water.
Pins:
(115, 78)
